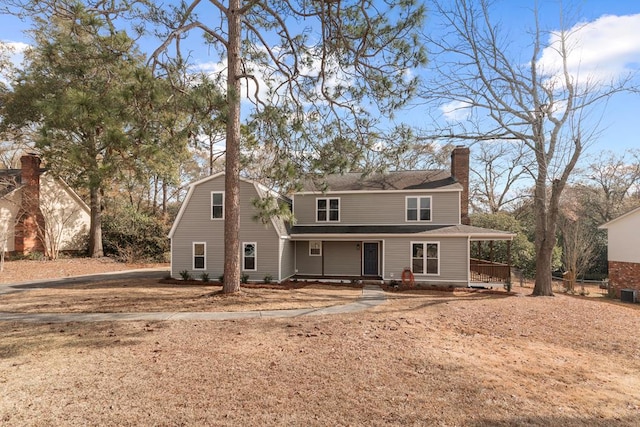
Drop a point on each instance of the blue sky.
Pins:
(611, 44)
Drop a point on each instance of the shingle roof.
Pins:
(399, 180)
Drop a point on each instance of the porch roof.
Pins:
(305, 232)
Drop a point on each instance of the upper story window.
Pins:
(418, 208)
(328, 210)
(217, 205)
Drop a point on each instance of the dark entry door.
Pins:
(370, 259)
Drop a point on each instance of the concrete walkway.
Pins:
(371, 296)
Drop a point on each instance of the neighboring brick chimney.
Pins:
(30, 221)
(460, 171)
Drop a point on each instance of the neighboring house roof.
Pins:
(278, 223)
(613, 221)
(10, 179)
(399, 180)
(429, 230)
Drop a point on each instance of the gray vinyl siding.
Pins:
(342, 258)
(287, 259)
(306, 264)
(453, 260)
(196, 225)
(368, 208)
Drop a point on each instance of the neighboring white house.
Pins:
(40, 213)
(624, 251)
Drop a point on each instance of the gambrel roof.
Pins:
(262, 191)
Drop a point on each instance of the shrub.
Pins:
(244, 278)
(35, 256)
(221, 278)
(132, 235)
(204, 277)
(185, 275)
(268, 278)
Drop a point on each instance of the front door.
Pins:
(370, 259)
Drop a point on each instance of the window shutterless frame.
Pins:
(249, 256)
(418, 208)
(315, 248)
(217, 205)
(328, 209)
(199, 253)
(425, 258)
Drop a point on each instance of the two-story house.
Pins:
(378, 227)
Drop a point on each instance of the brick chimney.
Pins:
(460, 172)
(30, 221)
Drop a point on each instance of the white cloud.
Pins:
(334, 77)
(456, 111)
(601, 50)
(15, 51)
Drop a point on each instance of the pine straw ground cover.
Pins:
(422, 358)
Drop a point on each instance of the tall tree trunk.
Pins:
(544, 255)
(232, 166)
(545, 237)
(95, 229)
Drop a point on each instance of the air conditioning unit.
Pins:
(629, 295)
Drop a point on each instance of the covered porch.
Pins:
(490, 263)
(339, 260)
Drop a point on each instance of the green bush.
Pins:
(268, 278)
(204, 277)
(185, 275)
(130, 235)
(244, 278)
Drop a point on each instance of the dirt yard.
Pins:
(25, 270)
(422, 358)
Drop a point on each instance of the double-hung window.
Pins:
(217, 205)
(425, 258)
(199, 256)
(418, 208)
(249, 256)
(328, 210)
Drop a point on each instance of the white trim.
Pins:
(211, 205)
(328, 201)
(419, 190)
(382, 258)
(418, 199)
(193, 256)
(377, 242)
(171, 258)
(469, 260)
(424, 259)
(298, 237)
(606, 225)
(280, 250)
(351, 224)
(273, 219)
(255, 256)
(314, 255)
